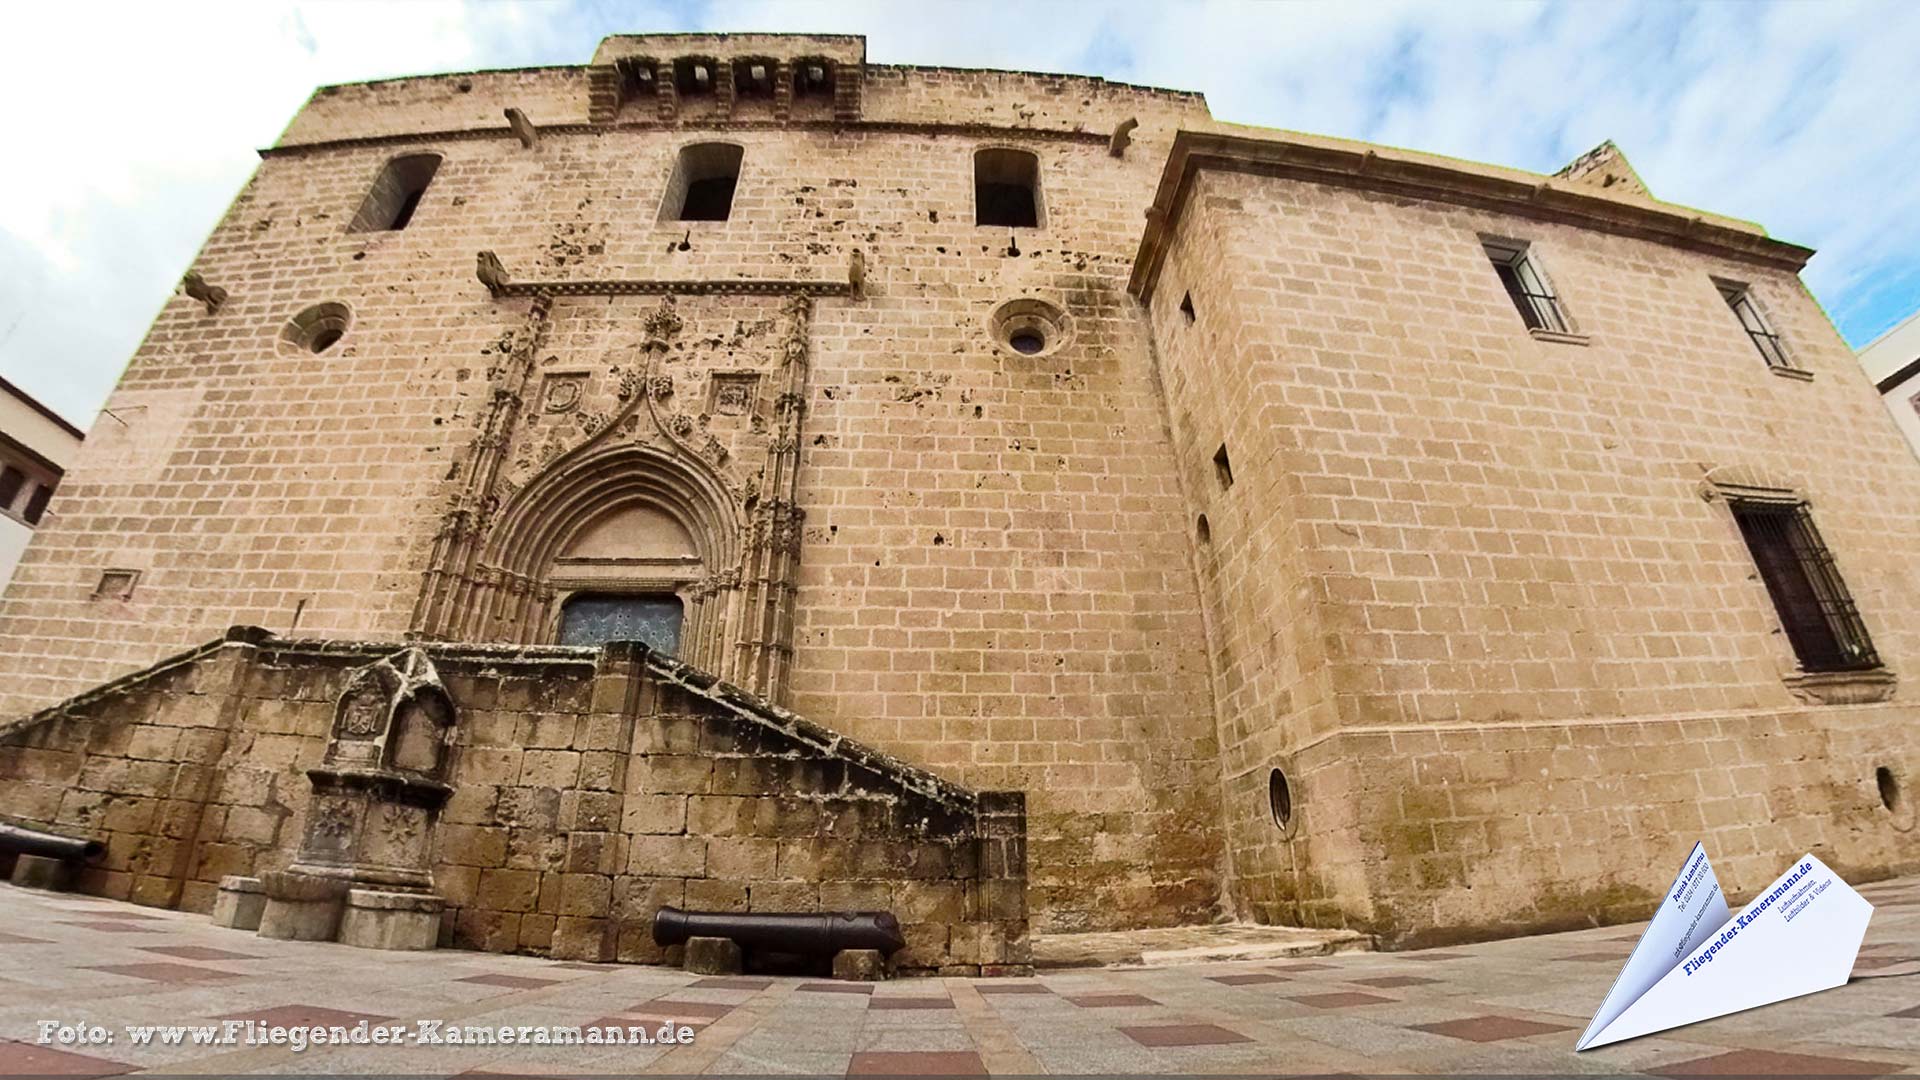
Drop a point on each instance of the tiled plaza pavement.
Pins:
(1503, 1007)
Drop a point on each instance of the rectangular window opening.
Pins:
(1739, 299)
(1006, 189)
(11, 481)
(1815, 608)
(37, 503)
(1526, 286)
(1222, 468)
(705, 177)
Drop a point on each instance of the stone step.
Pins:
(1175, 945)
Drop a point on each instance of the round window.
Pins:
(1280, 798)
(1029, 327)
(318, 328)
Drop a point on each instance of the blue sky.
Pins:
(138, 122)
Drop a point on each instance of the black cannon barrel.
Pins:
(25, 841)
(788, 932)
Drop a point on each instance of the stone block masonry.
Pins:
(591, 787)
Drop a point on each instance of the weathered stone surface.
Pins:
(42, 872)
(302, 908)
(374, 919)
(712, 956)
(240, 903)
(861, 965)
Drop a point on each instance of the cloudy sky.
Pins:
(129, 128)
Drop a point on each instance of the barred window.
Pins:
(1527, 286)
(1815, 608)
(1740, 298)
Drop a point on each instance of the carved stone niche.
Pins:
(377, 795)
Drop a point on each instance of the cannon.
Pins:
(18, 840)
(799, 933)
(43, 860)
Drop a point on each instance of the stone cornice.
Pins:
(1355, 165)
(548, 130)
(695, 287)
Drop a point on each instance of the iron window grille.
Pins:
(1740, 299)
(1528, 288)
(1816, 611)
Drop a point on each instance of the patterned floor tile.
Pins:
(166, 972)
(670, 1008)
(836, 988)
(198, 952)
(885, 1003)
(1014, 988)
(26, 1059)
(1110, 1001)
(1490, 1028)
(113, 926)
(1424, 956)
(1304, 967)
(511, 982)
(1250, 978)
(1771, 1063)
(1596, 957)
(727, 982)
(582, 965)
(1341, 999)
(1183, 1035)
(308, 1015)
(916, 1063)
(16, 939)
(1394, 982)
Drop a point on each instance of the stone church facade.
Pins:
(1046, 507)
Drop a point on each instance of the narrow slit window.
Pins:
(1006, 189)
(37, 503)
(1815, 608)
(11, 481)
(703, 183)
(1186, 307)
(1222, 468)
(1527, 286)
(396, 193)
(1739, 298)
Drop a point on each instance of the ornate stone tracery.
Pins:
(694, 426)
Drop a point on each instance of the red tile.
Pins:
(670, 1009)
(1596, 957)
(884, 1003)
(26, 1059)
(649, 1024)
(1874, 963)
(725, 982)
(916, 1063)
(1394, 982)
(1771, 1063)
(1245, 979)
(1013, 988)
(1490, 1028)
(837, 988)
(166, 973)
(1433, 956)
(198, 952)
(16, 939)
(1908, 1014)
(1110, 1001)
(511, 982)
(111, 926)
(307, 1015)
(1183, 1035)
(1341, 999)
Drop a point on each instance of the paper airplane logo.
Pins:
(1697, 960)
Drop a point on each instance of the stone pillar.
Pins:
(375, 919)
(41, 872)
(300, 907)
(240, 903)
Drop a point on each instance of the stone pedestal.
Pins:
(239, 903)
(859, 965)
(301, 908)
(40, 872)
(712, 956)
(374, 919)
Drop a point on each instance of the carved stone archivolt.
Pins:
(683, 409)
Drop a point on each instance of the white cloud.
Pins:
(137, 123)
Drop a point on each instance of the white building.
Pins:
(1892, 361)
(36, 444)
